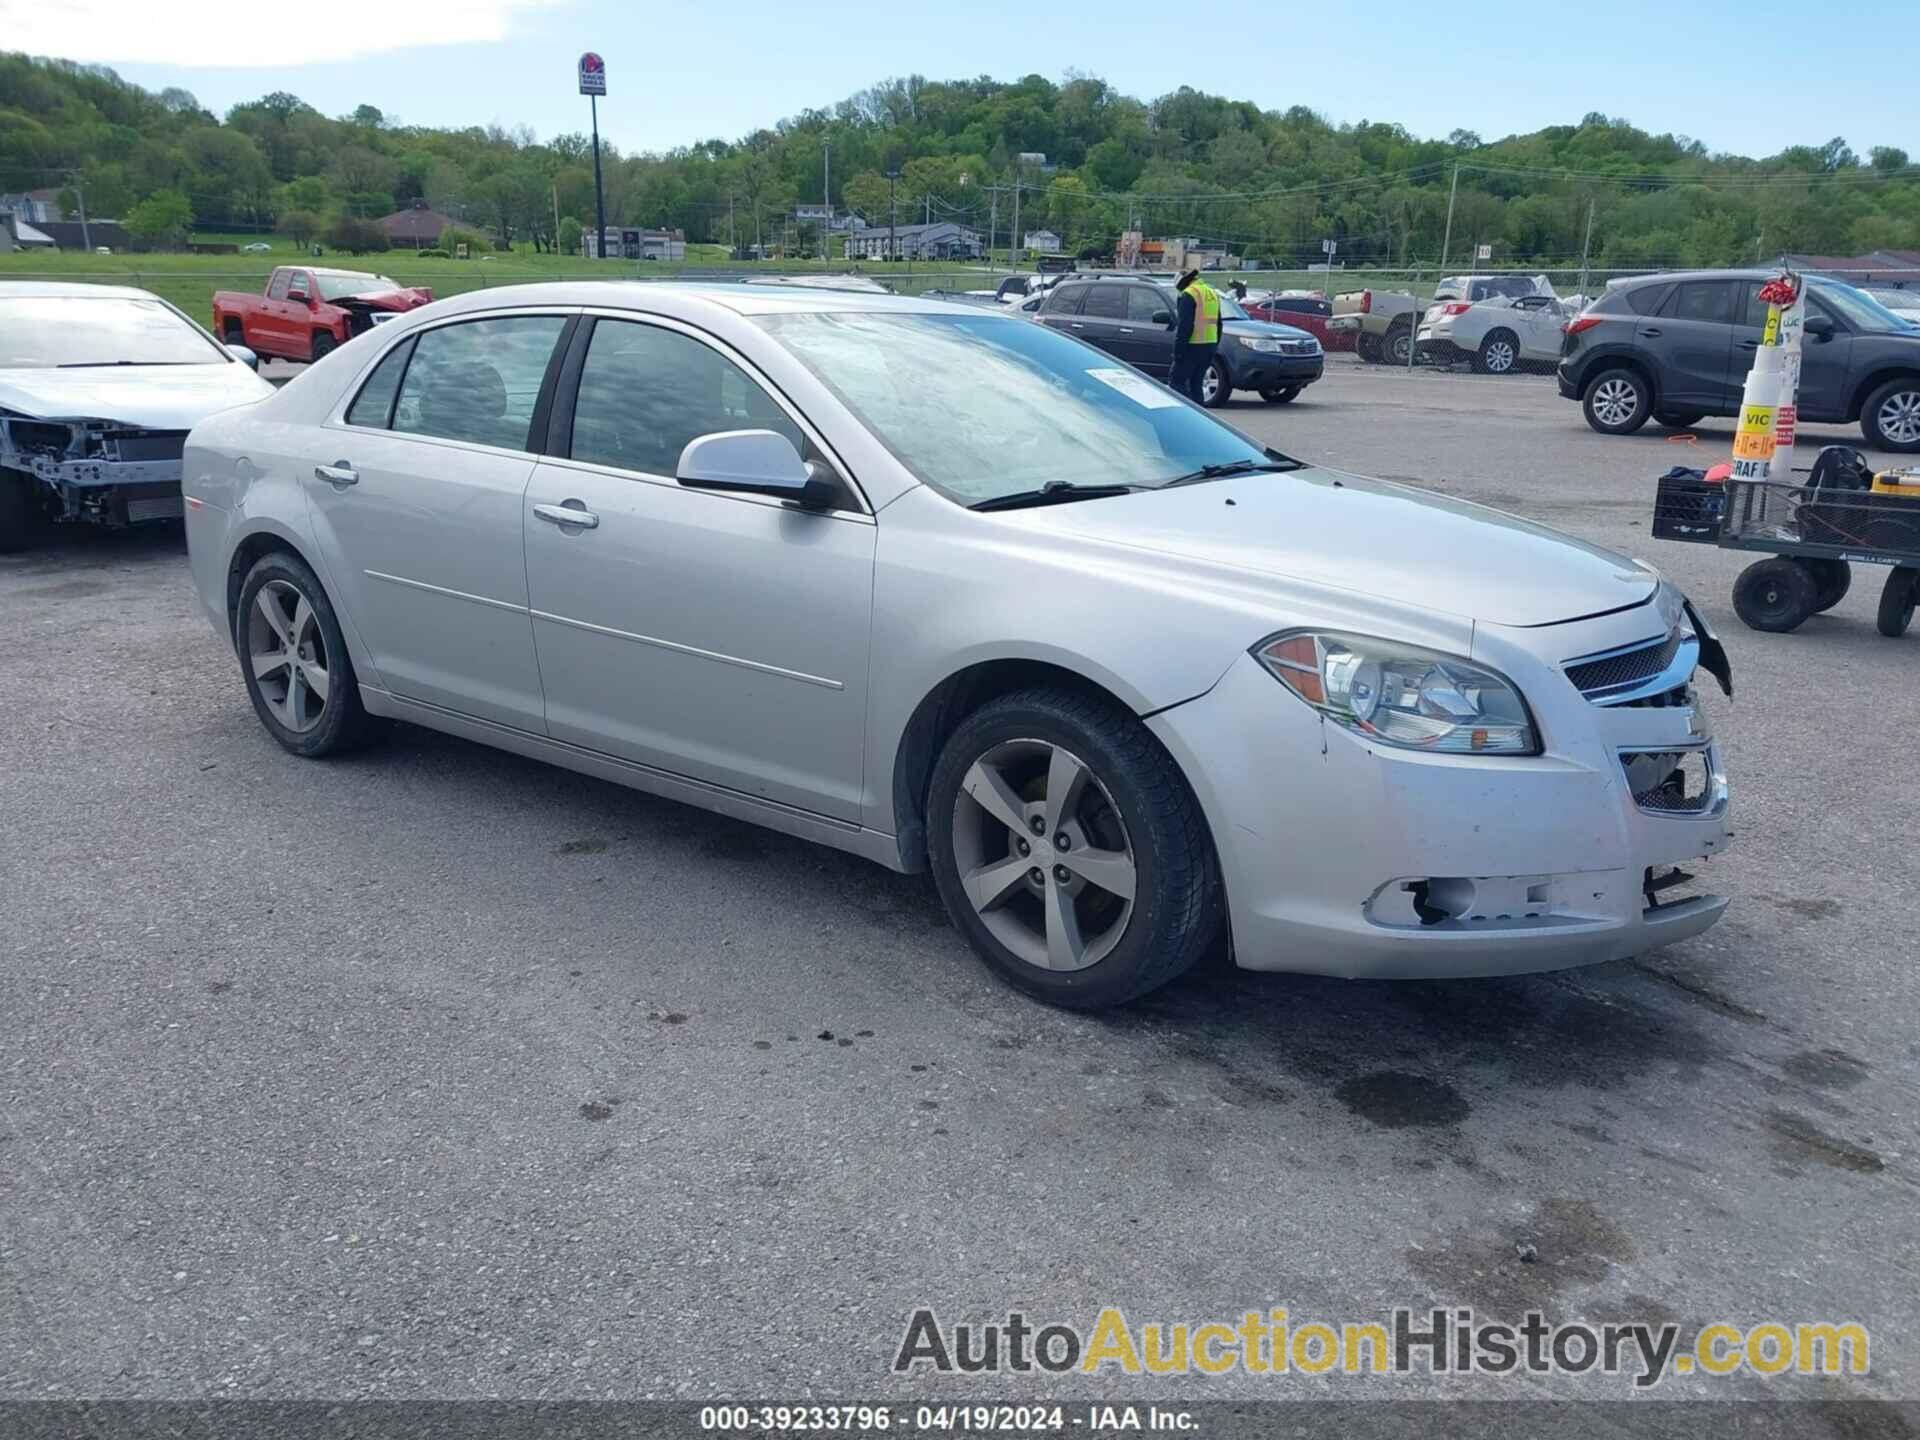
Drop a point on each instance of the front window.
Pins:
(49, 333)
(338, 287)
(983, 406)
(1859, 309)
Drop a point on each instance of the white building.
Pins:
(632, 243)
(841, 219)
(1045, 241)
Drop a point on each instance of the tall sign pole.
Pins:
(593, 84)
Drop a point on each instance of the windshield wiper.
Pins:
(1054, 492)
(1237, 467)
(109, 364)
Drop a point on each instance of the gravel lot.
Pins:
(436, 1072)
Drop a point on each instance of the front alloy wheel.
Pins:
(1891, 417)
(1069, 849)
(288, 655)
(1214, 388)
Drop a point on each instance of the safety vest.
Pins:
(1206, 313)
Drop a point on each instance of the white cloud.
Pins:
(204, 34)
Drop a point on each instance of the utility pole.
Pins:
(556, 216)
(80, 197)
(1013, 240)
(826, 198)
(893, 217)
(993, 219)
(1452, 191)
(1586, 247)
(733, 246)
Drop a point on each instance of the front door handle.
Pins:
(568, 513)
(1126, 330)
(1650, 330)
(1749, 344)
(1076, 325)
(339, 473)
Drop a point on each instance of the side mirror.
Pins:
(753, 462)
(1163, 317)
(1819, 326)
(245, 356)
(299, 297)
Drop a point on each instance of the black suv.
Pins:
(1132, 318)
(1676, 347)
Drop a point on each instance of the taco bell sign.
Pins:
(593, 74)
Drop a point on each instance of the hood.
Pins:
(1356, 534)
(1265, 327)
(149, 397)
(385, 300)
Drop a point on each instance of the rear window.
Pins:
(1508, 285)
(1709, 301)
(1645, 299)
(1064, 300)
(1106, 302)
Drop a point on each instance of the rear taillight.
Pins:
(1366, 302)
(1579, 323)
(1455, 307)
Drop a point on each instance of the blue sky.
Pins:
(680, 73)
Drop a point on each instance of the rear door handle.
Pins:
(339, 473)
(1749, 344)
(570, 512)
(1126, 330)
(1650, 330)
(1076, 325)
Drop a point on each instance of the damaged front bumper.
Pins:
(98, 473)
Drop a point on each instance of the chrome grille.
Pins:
(1616, 676)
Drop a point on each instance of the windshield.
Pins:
(43, 332)
(1230, 307)
(989, 405)
(1860, 309)
(334, 287)
(1895, 300)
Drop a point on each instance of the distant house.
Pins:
(841, 219)
(17, 234)
(36, 207)
(942, 240)
(72, 235)
(1881, 267)
(1045, 241)
(414, 228)
(624, 243)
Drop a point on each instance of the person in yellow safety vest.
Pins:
(1196, 335)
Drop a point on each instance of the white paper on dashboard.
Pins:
(1136, 387)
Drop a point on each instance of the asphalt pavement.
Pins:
(437, 1072)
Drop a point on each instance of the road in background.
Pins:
(435, 1071)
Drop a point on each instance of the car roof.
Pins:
(69, 290)
(1666, 276)
(688, 298)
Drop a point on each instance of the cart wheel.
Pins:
(1832, 578)
(1775, 595)
(1896, 601)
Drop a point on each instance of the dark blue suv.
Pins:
(1673, 348)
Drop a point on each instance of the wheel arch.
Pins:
(939, 714)
(248, 552)
(1856, 403)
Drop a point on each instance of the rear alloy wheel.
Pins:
(1069, 850)
(1891, 417)
(1281, 397)
(1397, 348)
(1215, 387)
(1498, 353)
(294, 659)
(1831, 580)
(322, 345)
(1617, 402)
(1897, 601)
(1775, 595)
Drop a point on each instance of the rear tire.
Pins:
(23, 520)
(1367, 347)
(1075, 943)
(1891, 417)
(1281, 397)
(1499, 353)
(323, 345)
(1897, 601)
(285, 615)
(1617, 401)
(1831, 579)
(1775, 595)
(1397, 347)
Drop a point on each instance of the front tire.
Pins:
(23, 520)
(1216, 386)
(1891, 417)
(1498, 354)
(323, 345)
(1897, 601)
(1775, 595)
(1130, 900)
(1618, 401)
(294, 660)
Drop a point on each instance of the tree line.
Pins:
(1270, 185)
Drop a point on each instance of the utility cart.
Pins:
(1816, 533)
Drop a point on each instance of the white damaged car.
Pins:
(99, 385)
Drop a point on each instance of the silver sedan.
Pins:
(951, 591)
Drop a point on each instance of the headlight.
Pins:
(1401, 694)
(1262, 343)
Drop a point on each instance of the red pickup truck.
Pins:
(307, 312)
